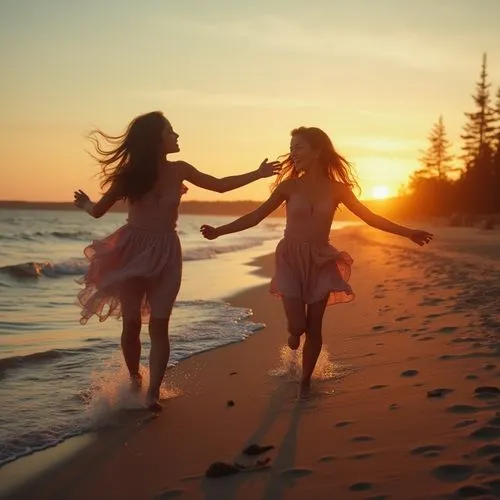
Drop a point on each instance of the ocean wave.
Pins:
(38, 235)
(77, 267)
(31, 442)
(38, 269)
(14, 362)
(210, 252)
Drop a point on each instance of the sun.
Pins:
(380, 192)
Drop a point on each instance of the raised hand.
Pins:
(209, 232)
(268, 169)
(420, 237)
(80, 199)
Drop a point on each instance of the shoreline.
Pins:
(413, 329)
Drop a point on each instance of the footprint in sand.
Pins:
(453, 472)
(362, 439)
(438, 393)
(423, 339)
(327, 458)
(489, 366)
(471, 377)
(402, 318)
(486, 392)
(343, 423)
(378, 386)
(296, 473)
(487, 450)
(362, 456)
(434, 315)
(465, 423)
(360, 486)
(462, 409)
(448, 329)
(487, 433)
(430, 450)
(378, 327)
(409, 373)
(168, 494)
(471, 491)
(394, 406)
(494, 485)
(495, 421)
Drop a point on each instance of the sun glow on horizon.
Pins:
(380, 192)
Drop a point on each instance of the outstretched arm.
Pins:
(378, 222)
(249, 220)
(224, 184)
(99, 208)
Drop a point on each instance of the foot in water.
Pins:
(305, 389)
(136, 382)
(293, 342)
(153, 402)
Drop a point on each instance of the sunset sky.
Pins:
(234, 78)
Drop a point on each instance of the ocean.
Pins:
(58, 378)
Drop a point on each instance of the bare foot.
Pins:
(154, 406)
(305, 389)
(293, 342)
(153, 402)
(135, 382)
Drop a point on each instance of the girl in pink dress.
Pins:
(135, 273)
(310, 273)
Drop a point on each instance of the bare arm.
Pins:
(249, 220)
(378, 222)
(99, 208)
(224, 184)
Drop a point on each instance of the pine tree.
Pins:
(497, 132)
(479, 131)
(437, 162)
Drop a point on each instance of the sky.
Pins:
(234, 78)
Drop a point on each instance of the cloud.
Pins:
(403, 47)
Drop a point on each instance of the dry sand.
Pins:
(404, 402)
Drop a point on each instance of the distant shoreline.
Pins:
(187, 207)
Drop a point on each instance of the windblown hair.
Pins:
(334, 165)
(130, 164)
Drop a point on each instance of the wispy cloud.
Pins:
(403, 47)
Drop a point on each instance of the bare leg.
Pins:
(131, 299)
(158, 359)
(131, 348)
(295, 311)
(313, 343)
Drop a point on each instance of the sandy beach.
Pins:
(405, 404)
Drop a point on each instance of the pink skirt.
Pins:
(134, 272)
(311, 271)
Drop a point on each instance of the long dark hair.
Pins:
(130, 165)
(334, 165)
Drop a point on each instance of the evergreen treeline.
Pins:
(466, 187)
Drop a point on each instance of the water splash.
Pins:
(110, 391)
(290, 366)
